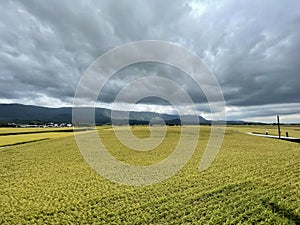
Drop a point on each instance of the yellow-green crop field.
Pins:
(23, 138)
(15, 136)
(4, 130)
(254, 180)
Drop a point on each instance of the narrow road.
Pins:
(293, 139)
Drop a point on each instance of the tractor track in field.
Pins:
(23, 142)
(42, 131)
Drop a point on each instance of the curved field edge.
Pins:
(253, 180)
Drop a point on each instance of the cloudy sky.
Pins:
(252, 47)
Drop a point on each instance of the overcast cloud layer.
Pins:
(253, 48)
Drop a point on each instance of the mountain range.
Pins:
(20, 114)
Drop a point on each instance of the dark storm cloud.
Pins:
(253, 47)
(129, 74)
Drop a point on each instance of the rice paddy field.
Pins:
(253, 180)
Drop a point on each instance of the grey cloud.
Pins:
(270, 110)
(145, 69)
(253, 47)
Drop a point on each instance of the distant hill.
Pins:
(18, 113)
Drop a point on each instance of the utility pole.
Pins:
(278, 124)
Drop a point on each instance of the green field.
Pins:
(254, 180)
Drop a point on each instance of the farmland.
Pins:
(253, 180)
(15, 136)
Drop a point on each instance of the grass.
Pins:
(253, 180)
